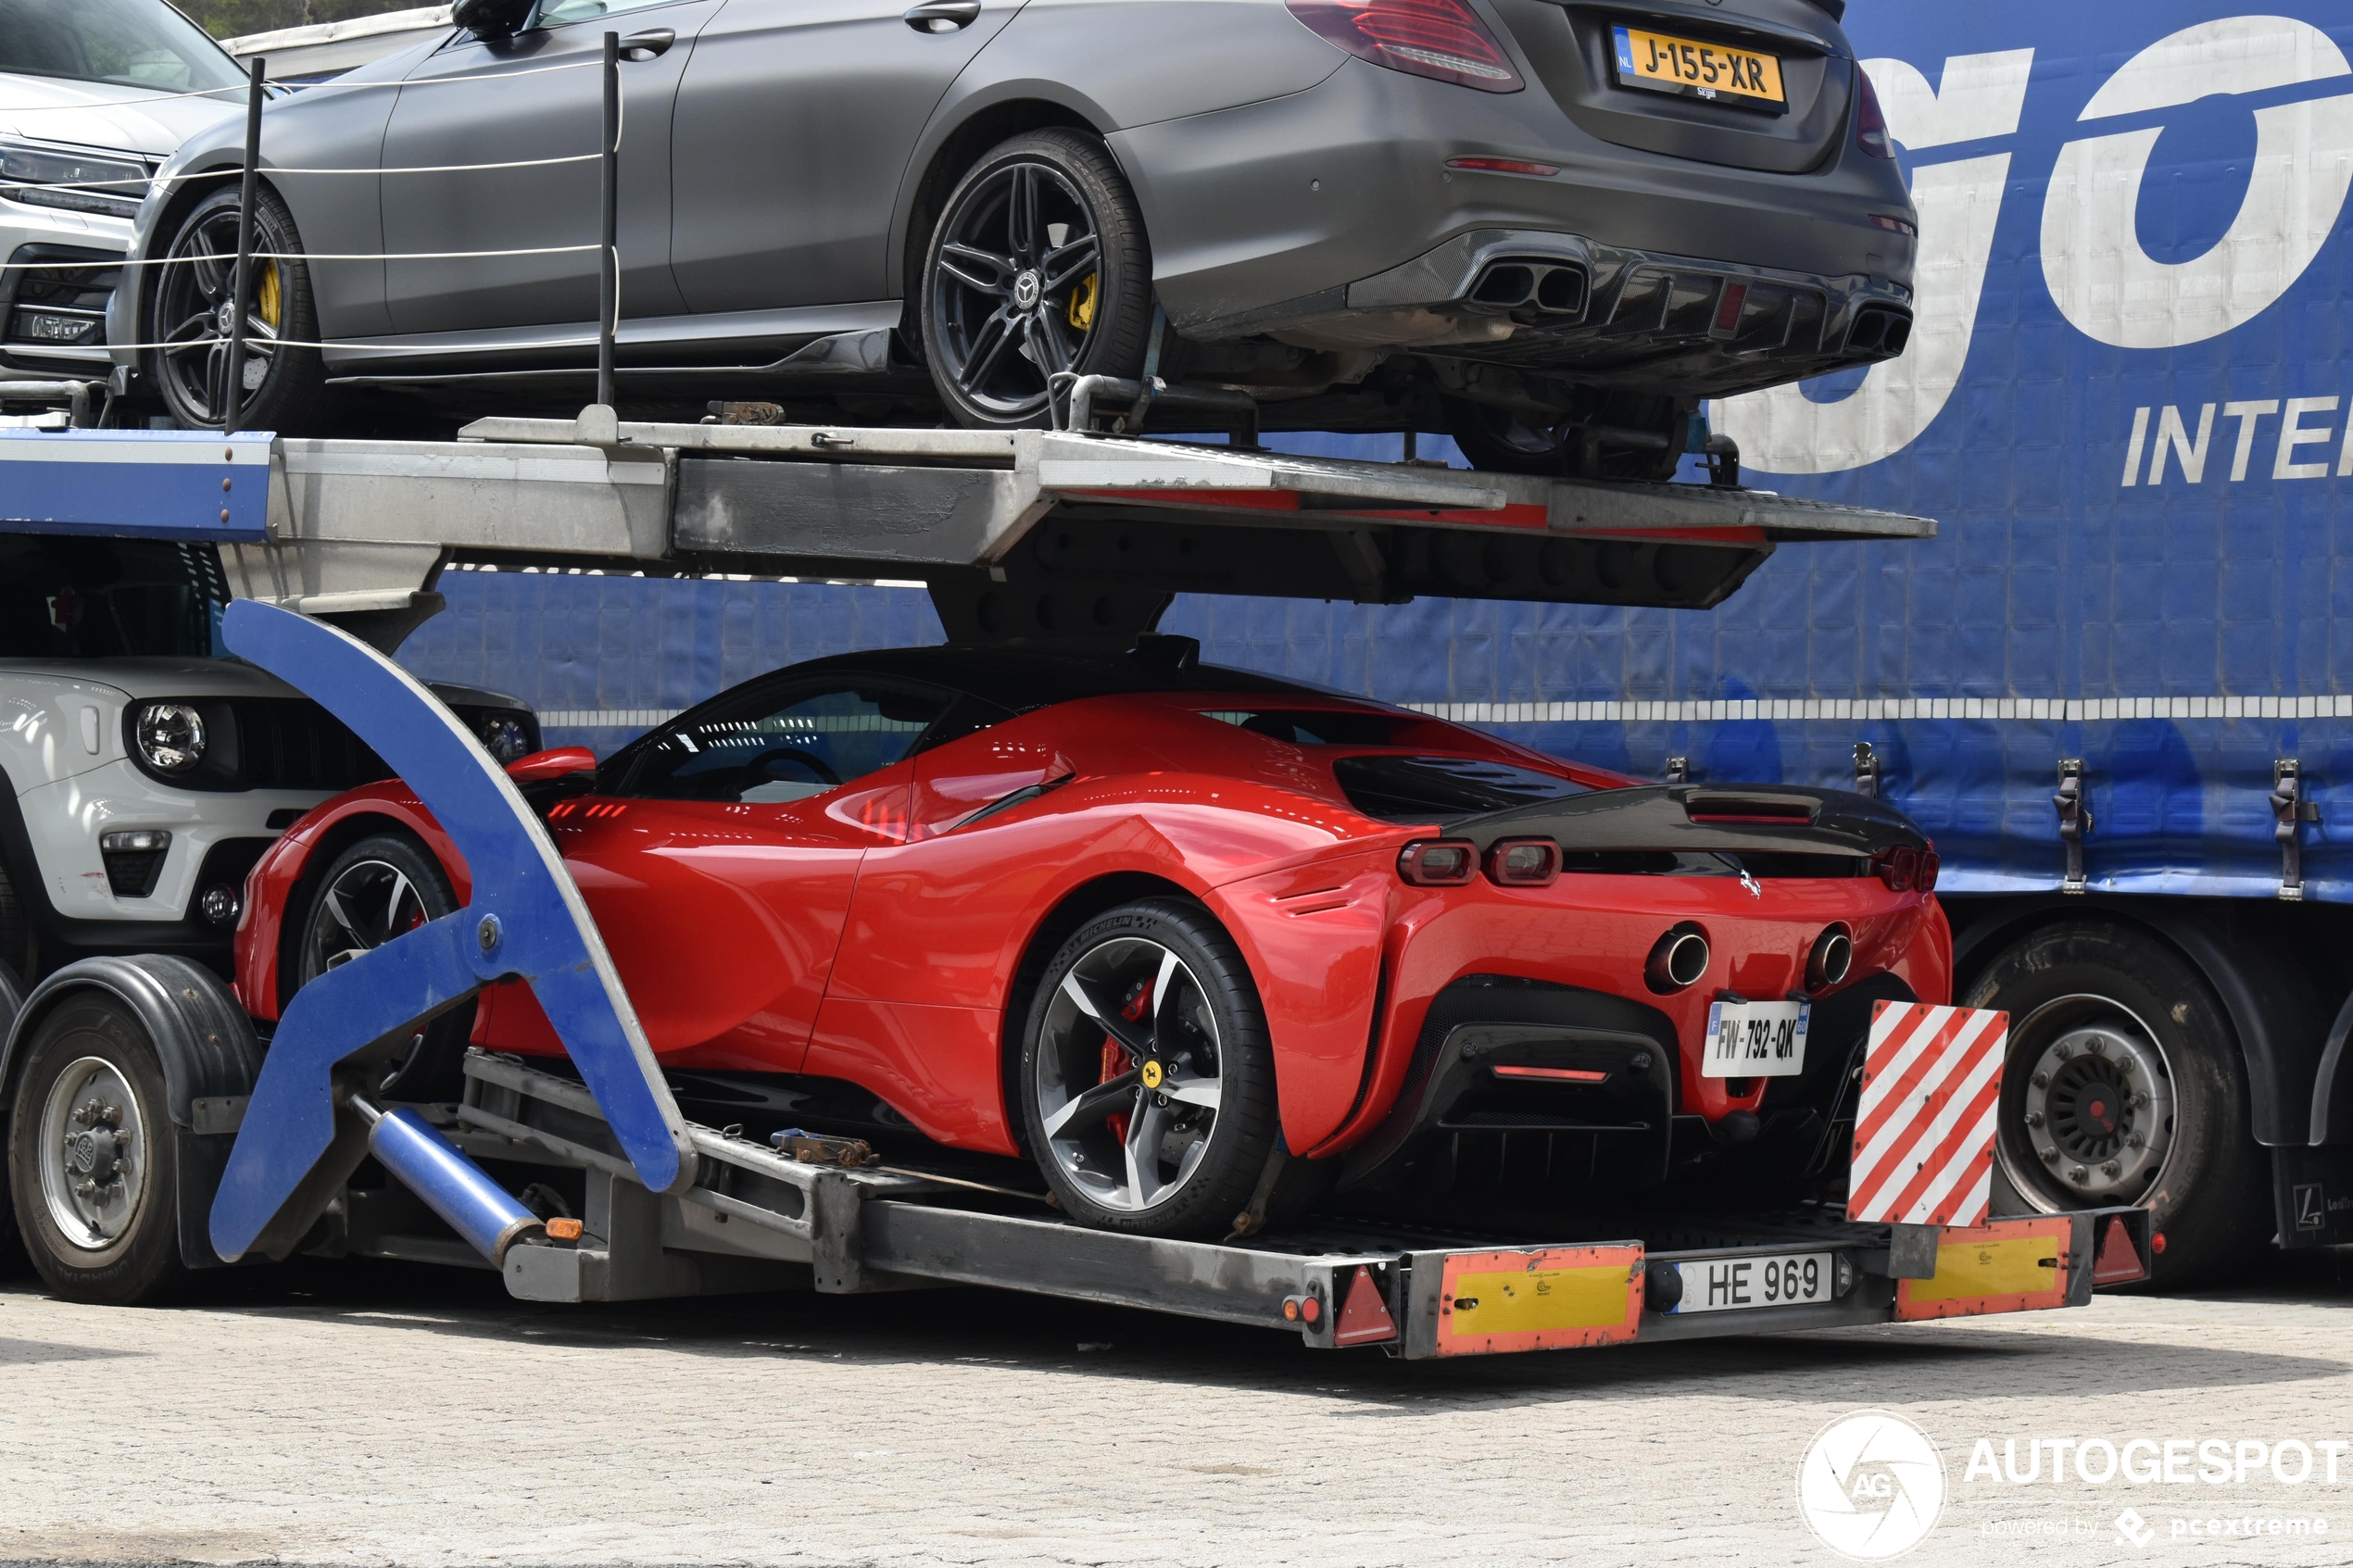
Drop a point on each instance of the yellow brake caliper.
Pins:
(266, 305)
(1082, 301)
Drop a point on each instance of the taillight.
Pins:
(1524, 862)
(1440, 39)
(1930, 866)
(1899, 868)
(1871, 125)
(1438, 862)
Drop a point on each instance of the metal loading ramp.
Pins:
(1017, 533)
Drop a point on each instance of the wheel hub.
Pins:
(93, 1177)
(1127, 1080)
(227, 316)
(1029, 289)
(2099, 1110)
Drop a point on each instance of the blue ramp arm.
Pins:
(526, 919)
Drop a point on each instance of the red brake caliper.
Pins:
(1115, 1057)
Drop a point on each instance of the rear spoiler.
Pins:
(1732, 819)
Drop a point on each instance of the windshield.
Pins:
(126, 42)
(109, 598)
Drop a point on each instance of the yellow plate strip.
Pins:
(1529, 1301)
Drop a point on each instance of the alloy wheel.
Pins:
(1016, 287)
(194, 317)
(1127, 1080)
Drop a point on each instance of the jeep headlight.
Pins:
(170, 736)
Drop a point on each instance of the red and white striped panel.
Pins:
(1924, 1131)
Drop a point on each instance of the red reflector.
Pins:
(1438, 862)
(1894, 225)
(1728, 308)
(1503, 166)
(2156, 1242)
(1440, 39)
(1560, 1075)
(2118, 1261)
(1312, 1310)
(1364, 1317)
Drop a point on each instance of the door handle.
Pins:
(943, 16)
(652, 43)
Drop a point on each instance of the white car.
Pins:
(92, 98)
(146, 769)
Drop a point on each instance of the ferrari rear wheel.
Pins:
(380, 888)
(1147, 1080)
(284, 384)
(1039, 266)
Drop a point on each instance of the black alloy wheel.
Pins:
(378, 889)
(1038, 267)
(284, 386)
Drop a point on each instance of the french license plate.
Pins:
(1728, 1284)
(1755, 1039)
(1660, 62)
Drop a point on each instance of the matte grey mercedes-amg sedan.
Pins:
(1550, 227)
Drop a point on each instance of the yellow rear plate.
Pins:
(2001, 1266)
(1539, 1299)
(1660, 62)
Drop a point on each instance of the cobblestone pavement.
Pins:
(375, 1414)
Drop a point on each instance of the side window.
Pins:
(556, 13)
(788, 742)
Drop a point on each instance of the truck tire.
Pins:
(93, 1161)
(2123, 1084)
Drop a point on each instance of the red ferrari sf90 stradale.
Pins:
(1190, 938)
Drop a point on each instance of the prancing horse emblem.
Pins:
(1750, 883)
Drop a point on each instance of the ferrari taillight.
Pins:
(1440, 39)
(1523, 863)
(1930, 866)
(1899, 868)
(1438, 862)
(1870, 124)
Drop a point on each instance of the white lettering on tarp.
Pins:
(2114, 291)
(2172, 444)
(1782, 431)
(2293, 435)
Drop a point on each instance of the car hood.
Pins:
(157, 677)
(97, 114)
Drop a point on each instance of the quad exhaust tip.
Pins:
(1677, 961)
(1540, 288)
(1878, 331)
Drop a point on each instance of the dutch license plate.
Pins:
(1755, 1039)
(1661, 62)
(1728, 1285)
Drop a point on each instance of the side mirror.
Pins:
(554, 764)
(491, 19)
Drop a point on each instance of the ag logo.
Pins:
(1870, 1485)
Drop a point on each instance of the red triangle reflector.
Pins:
(2118, 1261)
(1364, 1317)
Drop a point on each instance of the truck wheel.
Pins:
(379, 888)
(2123, 1084)
(1039, 266)
(92, 1164)
(1147, 1081)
